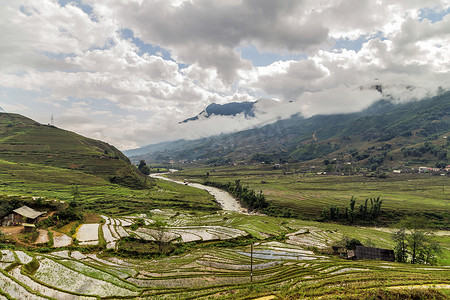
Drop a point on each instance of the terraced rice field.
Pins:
(61, 240)
(278, 268)
(114, 229)
(286, 269)
(87, 234)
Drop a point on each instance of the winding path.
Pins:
(226, 201)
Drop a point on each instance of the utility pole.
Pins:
(251, 262)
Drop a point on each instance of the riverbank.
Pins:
(225, 200)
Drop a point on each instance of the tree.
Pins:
(419, 245)
(348, 243)
(143, 168)
(76, 195)
(430, 252)
(416, 240)
(160, 235)
(401, 246)
(351, 211)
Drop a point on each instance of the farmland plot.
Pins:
(7, 256)
(191, 233)
(44, 290)
(87, 234)
(187, 236)
(77, 255)
(107, 220)
(202, 233)
(125, 222)
(109, 238)
(153, 235)
(62, 254)
(203, 273)
(312, 237)
(55, 274)
(122, 232)
(61, 240)
(43, 237)
(143, 235)
(11, 287)
(23, 257)
(96, 273)
(112, 229)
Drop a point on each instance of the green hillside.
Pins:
(384, 135)
(23, 140)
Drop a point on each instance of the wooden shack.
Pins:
(22, 215)
(362, 252)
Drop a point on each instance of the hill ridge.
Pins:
(405, 125)
(24, 140)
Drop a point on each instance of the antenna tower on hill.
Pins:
(52, 120)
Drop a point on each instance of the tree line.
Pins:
(248, 197)
(367, 211)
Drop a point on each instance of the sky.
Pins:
(127, 72)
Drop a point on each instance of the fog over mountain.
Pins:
(383, 134)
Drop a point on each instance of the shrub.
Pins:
(31, 267)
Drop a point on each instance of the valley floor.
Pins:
(289, 259)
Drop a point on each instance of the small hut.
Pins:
(22, 215)
(362, 252)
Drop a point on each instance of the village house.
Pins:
(21, 216)
(362, 252)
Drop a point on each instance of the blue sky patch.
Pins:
(351, 44)
(144, 47)
(262, 59)
(433, 14)
(87, 9)
(57, 55)
(25, 11)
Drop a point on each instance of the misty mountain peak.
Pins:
(228, 109)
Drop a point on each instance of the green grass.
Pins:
(24, 141)
(308, 194)
(31, 267)
(186, 276)
(97, 194)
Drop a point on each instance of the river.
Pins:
(225, 200)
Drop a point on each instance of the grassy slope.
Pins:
(308, 194)
(23, 140)
(97, 194)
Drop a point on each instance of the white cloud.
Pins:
(104, 86)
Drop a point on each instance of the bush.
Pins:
(31, 267)
(382, 175)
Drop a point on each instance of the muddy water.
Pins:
(226, 201)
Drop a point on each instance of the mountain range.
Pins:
(384, 134)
